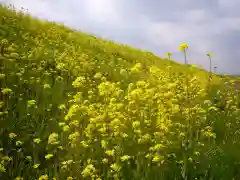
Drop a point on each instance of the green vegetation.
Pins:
(74, 106)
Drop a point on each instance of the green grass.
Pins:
(77, 106)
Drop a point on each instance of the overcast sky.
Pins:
(155, 25)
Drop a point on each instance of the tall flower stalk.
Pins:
(210, 62)
(215, 69)
(184, 48)
(169, 55)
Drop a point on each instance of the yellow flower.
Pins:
(110, 152)
(18, 178)
(2, 76)
(155, 159)
(183, 47)
(12, 135)
(37, 140)
(53, 139)
(43, 177)
(35, 166)
(125, 158)
(104, 160)
(19, 143)
(193, 65)
(209, 55)
(168, 54)
(88, 171)
(69, 178)
(49, 156)
(115, 167)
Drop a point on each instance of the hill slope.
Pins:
(73, 105)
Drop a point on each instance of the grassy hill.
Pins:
(74, 106)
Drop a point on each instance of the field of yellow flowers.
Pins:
(74, 106)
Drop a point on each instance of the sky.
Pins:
(159, 26)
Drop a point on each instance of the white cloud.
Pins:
(232, 23)
(196, 16)
(172, 34)
(226, 4)
(102, 11)
(166, 33)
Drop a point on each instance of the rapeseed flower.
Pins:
(183, 47)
